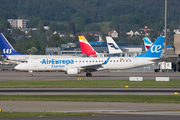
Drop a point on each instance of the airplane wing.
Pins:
(94, 67)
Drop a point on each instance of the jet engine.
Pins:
(72, 71)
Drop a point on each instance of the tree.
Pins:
(79, 23)
(16, 33)
(70, 27)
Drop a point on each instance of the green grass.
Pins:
(96, 98)
(88, 84)
(104, 26)
(28, 114)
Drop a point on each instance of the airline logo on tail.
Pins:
(86, 47)
(113, 46)
(147, 43)
(156, 48)
(7, 51)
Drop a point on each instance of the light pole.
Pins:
(165, 27)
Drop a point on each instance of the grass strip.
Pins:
(33, 114)
(88, 84)
(96, 98)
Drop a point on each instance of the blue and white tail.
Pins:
(6, 48)
(112, 46)
(155, 49)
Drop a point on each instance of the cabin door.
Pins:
(35, 63)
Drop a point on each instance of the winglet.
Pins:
(106, 61)
(50, 53)
(6, 58)
(86, 47)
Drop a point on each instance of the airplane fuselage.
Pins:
(115, 63)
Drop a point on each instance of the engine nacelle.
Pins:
(71, 71)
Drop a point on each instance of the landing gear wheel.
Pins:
(88, 74)
(31, 75)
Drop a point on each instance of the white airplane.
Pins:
(86, 64)
(88, 49)
(11, 55)
(112, 46)
(147, 43)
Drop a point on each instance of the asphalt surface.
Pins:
(105, 110)
(96, 107)
(88, 91)
(11, 75)
(102, 117)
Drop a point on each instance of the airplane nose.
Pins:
(17, 67)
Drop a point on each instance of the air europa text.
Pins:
(54, 61)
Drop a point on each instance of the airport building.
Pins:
(100, 47)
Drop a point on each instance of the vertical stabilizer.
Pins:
(155, 49)
(6, 48)
(147, 43)
(86, 47)
(112, 46)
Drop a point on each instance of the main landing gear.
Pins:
(88, 74)
(30, 73)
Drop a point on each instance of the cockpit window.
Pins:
(24, 61)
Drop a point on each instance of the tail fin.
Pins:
(86, 47)
(147, 43)
(112, 46)
(6, 48)
(155, 49)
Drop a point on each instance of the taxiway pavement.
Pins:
(89, 91)
(11, 75)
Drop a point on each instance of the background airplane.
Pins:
(86, 64)
(112, 46)
(88, 49)
(147, 43)
(12, 55)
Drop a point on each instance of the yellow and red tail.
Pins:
(86, 47)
